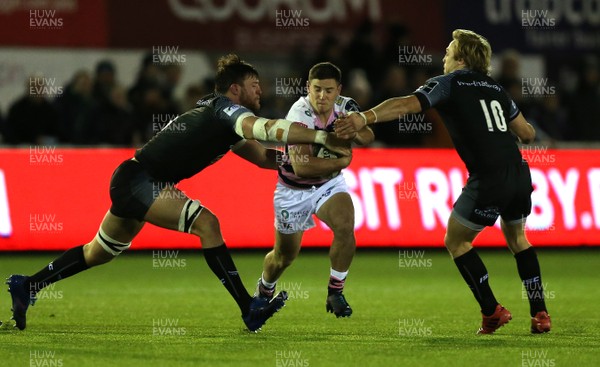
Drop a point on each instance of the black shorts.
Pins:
(504, 192)
(133, 190)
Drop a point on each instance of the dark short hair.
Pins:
(325, 70)
(232, 70)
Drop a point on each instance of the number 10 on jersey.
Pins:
(497, 112)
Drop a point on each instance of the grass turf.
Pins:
(410, 309)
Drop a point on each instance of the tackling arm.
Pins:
(249, 126)
(364, 136)
(392, 109)
(388, 110)
(254, 152)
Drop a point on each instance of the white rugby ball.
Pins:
(326, 153)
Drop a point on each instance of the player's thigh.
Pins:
(121, 229)
(478, 205)
(114, 236)
(166, 208)
(287, 245)
(338, 213)
(172, 209)
(132, 191)
(293, 210)
(518, 205)
(459, 238)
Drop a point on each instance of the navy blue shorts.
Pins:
(133, 190)
(504, 192)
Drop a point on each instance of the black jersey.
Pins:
(192, 141)
(476, 110)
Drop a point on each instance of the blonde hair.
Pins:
(474, 49)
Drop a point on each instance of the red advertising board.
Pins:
(53, 199)
(51, 23)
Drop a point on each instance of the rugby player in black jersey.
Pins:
(482, 121)
(143, 189)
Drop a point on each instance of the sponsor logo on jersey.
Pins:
(429, 87)
(479, 83)
(352, 106)
(231, 109)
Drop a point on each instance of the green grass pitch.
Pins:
(411, 308)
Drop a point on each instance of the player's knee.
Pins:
(447, 242)
(457, 248)
(189, 217)
(519, 245)
(283, 260)
(207, 224)
(451, 243)
(343, 228)
(108, 244)
(94, 254)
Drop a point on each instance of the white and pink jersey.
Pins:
(303, 113)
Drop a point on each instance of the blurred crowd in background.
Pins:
(94, 108)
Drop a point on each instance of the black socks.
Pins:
(475, 274)
(529, 271)
(220, 262)
(69, 263)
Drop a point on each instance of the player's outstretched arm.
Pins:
(388, 110)
(254, 152)
(249, 126)
(365, 136)
(522, 129)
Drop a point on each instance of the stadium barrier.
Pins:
(54, 198)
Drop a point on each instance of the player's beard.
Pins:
(253, 104)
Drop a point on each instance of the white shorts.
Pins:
(294, 207)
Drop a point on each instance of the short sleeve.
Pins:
(351, 106)
(514, 111)
(301, 113)
(225, 109)
(434, 91)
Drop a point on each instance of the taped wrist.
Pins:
(238, 123)
(321, 137)
(279, 131)
(259, 130)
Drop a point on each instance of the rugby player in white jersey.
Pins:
(310, 183)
